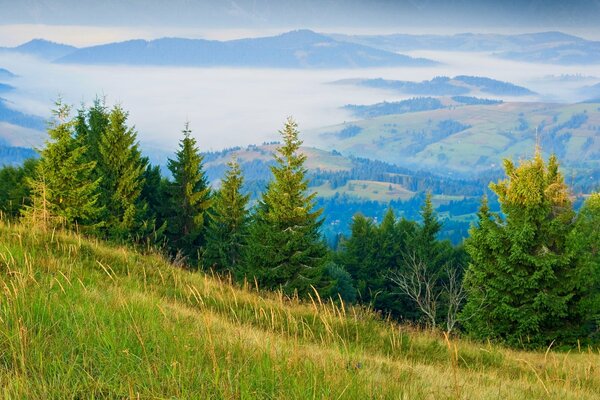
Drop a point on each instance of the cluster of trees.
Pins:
(527, 276)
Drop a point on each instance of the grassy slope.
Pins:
(493, 135)
(80, 319)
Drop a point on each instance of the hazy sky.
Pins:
(229, 107)
(379, 15)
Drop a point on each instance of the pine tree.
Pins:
(424, 245)
(228, 224)
(63, 187)
(121, 167)
(359, 257)
(585, 240)
(189, 199)
(15, 193)
(522, 281)
(286, 249)
(90, 126)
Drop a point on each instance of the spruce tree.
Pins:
(228, 224)
(121, 167)
(585, 240)
(15, 193)
(286, 249)
(523, 283)
(189, 199)
(63, 186)
(90, 126)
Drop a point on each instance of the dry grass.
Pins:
(81, 319)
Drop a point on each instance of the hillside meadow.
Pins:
(83, 319)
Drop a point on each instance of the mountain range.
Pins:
(295, 49)
(444, 86)
(307, 49)
(541, 47)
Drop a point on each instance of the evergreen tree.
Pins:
(228, 224)
(189, 199)
(121, 167)
(15, 193)
(585, 239)
(64, 186)
(340, 285)
(524, 281)
(286, 248)
(359, 258)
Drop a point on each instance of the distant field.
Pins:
(474, 138)
(366, 190)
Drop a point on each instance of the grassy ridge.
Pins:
(81, 319)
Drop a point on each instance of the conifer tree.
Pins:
(189, 199)
(121, 167)
(15, 193)
(585, 239)
(359, 257)
(90, 126)
(227, 228)
(63, 186)
(524, 281)
(286, 249)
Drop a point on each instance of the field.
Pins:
(487, 134)
(82, 319)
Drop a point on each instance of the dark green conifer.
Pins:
(286, 248)
(121, 168)
(227, 229)
(189, 199)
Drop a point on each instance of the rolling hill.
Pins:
(444, 86)
(471, 139)
(83, 319)
(296, 49)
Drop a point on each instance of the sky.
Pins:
(234, 18)
(229, 107)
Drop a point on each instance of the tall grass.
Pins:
(82, 319)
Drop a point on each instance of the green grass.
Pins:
(493, 135)
(82, 319)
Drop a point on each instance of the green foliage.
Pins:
(585, 238)
(227, 229)
(286, 250)
(189, 199)
(525, 282)
(63, 184)
(121, 166)
(14, 191)
(340, 284)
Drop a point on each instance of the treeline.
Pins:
(528, 276)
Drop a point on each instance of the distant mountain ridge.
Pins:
(42, 48)
(296, 49)
(445, 86)
(543, 47)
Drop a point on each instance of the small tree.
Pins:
(286, 248)
(63, 186)
(121, 167)
(227, 231)
(189, 199)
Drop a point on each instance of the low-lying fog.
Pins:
(229, 107)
